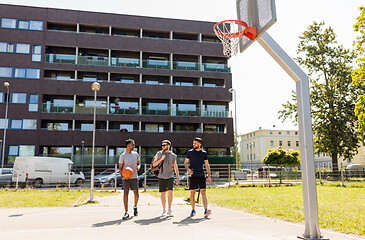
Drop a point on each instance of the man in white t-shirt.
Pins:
(130, 159)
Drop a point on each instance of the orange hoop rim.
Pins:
(232, 35)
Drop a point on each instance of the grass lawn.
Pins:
(45, 198)
(340, 208)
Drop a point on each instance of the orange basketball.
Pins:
(127, 173)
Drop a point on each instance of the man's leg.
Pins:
(163, 200)
(203, 192)
(136, 197)
(192, 198)
(170, 197)
(125, 199)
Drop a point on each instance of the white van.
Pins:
(45, 170)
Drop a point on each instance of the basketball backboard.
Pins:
(256, 13)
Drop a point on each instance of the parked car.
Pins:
(107, 178)
(45, 170)
(153, 180)
(355, 170)
(5, 176)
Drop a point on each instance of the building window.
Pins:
(297, 143)
(279, 132)
(23, 24)
(20, 151)
(33, 102)
(248, 157)
(36, 25)
(296, 133)
(270, 132)
(287, 132)
(247, 145)
(2, 123)
(18, 98)
(289, 143)
(254, 156)
(6, 47)
(280, 143)
(126, 127)
(87, 127)
(22, 48)
(8, 23)
(271, 143)
(37, 53)
(33, 73)
(16, 124)
(57, 126)
(19, 73)
(6, 72)
(29, 124)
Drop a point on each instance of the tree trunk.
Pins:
(334, 163)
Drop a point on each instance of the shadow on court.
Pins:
(111, 223)
(189, 220)
(152, 220)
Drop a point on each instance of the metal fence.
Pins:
(223, 175)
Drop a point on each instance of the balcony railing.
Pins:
(125, 62)
(188, 66)
(54, 108)
(187, 113)
(156, 112)
(215, 67)
(156, 64)
(124, 111)
(135, 63)
(93, 60)
(90, 109)
(60, 58)
(217, 113)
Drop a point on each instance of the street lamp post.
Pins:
(82, 155)
(6, 84)
(95, 87)
(231, 90)
(251, 146)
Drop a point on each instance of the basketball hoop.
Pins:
(230, 32)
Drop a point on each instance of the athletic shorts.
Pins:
(130, 184)
(197, 183)
(165, 184)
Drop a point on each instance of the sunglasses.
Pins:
(164, 145)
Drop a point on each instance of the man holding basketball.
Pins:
(195, 158)
(130, 159)
(167, 160)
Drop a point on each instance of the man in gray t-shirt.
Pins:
(130, 159)
(167, 159)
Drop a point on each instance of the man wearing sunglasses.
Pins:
(167, 159)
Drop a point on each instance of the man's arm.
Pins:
(120, 169)
(158, 161)
(207, 167)
(177, 173)
(186, 162)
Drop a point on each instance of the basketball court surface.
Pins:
(104, 221)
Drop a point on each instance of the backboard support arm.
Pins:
(312, 231)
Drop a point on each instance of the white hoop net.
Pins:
(229, 32)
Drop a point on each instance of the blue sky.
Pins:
(261, 85)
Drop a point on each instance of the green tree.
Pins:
(333, 97)
(279, 157)
(358, 75)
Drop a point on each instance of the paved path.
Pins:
(103, 221)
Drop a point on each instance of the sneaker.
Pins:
(135, 212)
(126, 215)
(169, 213)
(163, 213)
(192, 214)
(207, 213)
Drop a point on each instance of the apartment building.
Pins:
(160, 79)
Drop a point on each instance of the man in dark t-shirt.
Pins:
(195, 158)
